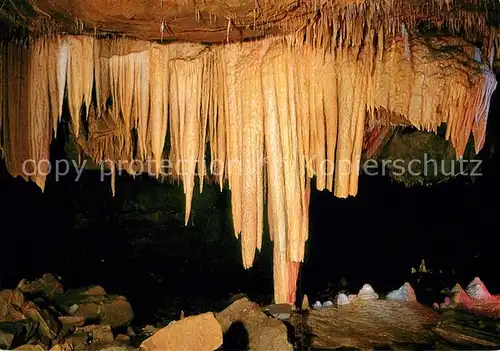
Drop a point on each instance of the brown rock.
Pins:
(72, 321)
(47, 286)
(10, 304)
(100, 334)
(195, 333)
(29, 347)
(65, 346)
(87, 310)
(116, 313)
(112, 311)
(48, 326)
(122, 339)
(14, 297)
(6, 339)
(10, 313)
(264, 333)
(95, 290)
(79, 340)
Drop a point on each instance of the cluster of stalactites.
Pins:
(275, 113)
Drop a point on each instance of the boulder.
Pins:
(93, 306)
(196, 333)
(246, 327)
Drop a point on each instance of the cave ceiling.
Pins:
(215, 21)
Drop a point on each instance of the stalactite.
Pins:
(300, 105)
(233, 130)
(58, 52)
(186, 77)
(250, 103)
(158, 120)
(141, 98)
(80, 77)
(39, 122)
(16, 121)
(3, 92)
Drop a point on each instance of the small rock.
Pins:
(122, 339)
(477, 290)
(404, 293)
(100, 334)
(446, 303)
(131, 331)
(342, 299)
(80, 340)
(201, 332)
(149, 329)
(279, 311)
(367, 293)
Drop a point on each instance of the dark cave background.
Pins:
(136, 244)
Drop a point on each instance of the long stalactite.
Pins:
(275, 112)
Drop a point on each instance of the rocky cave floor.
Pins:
(41, 315)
